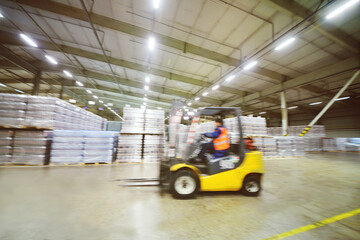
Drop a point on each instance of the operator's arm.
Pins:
(214, 134)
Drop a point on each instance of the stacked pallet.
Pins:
(154, 121)
(154, 148)
(129, 148)
(70, 147)
(312, 144)
(134, 120)
(267, 145)
(315, 131)
(46, 112)
(290, 146)
(24, 147)
(328, 144)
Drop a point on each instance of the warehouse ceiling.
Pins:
(198, 46)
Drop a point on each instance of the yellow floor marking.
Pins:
(314, 225)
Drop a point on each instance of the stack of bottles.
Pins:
(315, 131)
(154, 121)
(312, 144)
(290, 146)
(23, 147)
(69, 147)
(329, 144)
(253, 126)
(154, 148)
(114, 126)
(267, 145)
(129, 148)
(46, 112)
(134, 120)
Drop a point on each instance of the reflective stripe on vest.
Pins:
(223, 141)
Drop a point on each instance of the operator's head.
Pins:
(219, 122)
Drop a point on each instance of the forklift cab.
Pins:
(234, 155)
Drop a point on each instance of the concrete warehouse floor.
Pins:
(85, 203)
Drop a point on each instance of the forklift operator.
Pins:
(221, 143)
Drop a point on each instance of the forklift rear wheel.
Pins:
(251, 186)
(184, 184)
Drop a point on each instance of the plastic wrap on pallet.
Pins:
(154, 148)
(312, 144)
(129, 148)
(83, 146)
(45, 112)
(315, 131)
(328, 144)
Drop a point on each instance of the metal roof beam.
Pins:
(110, 23)
(345, 65)
(335, 34)
(108, 78)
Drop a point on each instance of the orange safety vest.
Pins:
(223, 141)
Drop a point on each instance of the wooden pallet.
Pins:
(24, 127)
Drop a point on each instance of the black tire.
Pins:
(251, 186)
(184, 184)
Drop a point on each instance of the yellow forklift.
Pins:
(241, 169)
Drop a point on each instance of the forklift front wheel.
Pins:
(184, 184)
(251, 186)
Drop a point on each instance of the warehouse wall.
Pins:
(339, 122)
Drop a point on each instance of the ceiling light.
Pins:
(146, 87)
(3, 85)
(1, 16)
(159, 108)
(156, 4)
(151, 43)
(145, 98)
(285, 44)
(101, 109)
(250, 65)
(19, 91)
(105, 105)
(91, 102)
(147, 79)
(197, 99)
(186, 110)
(67, 73)
(110, 104)
(144, 103)
(189, 103)
(315, 103)
(293, 107)
(262, 113)
(215, 87)
(145, 95)
(186, 117)
(191, 113)
(341, 9)
(88, 91)
(28, 40)
(72, 100)
(51, 59)
(79, 83)
(343, 98)
(96, 97)
(228, 79)
(101, 101)
(205, 93)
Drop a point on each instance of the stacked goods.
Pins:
(45, 112)
(348, 144)
(315, 131)
(284, 146)
(129, 148)
(290, 146)
(206, 127)
(134, 120)
(70, 147)
(99, 146)
(232, 126)
(182, 134)
(312, 144)
(267, 145)
(253, 126)
(154, 121)
(24, 147)
(5, 146)
(154, 148)
(12, 109)
(328, 144)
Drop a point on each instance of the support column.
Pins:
(36, 87)
(61, 92)
(284, 114)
